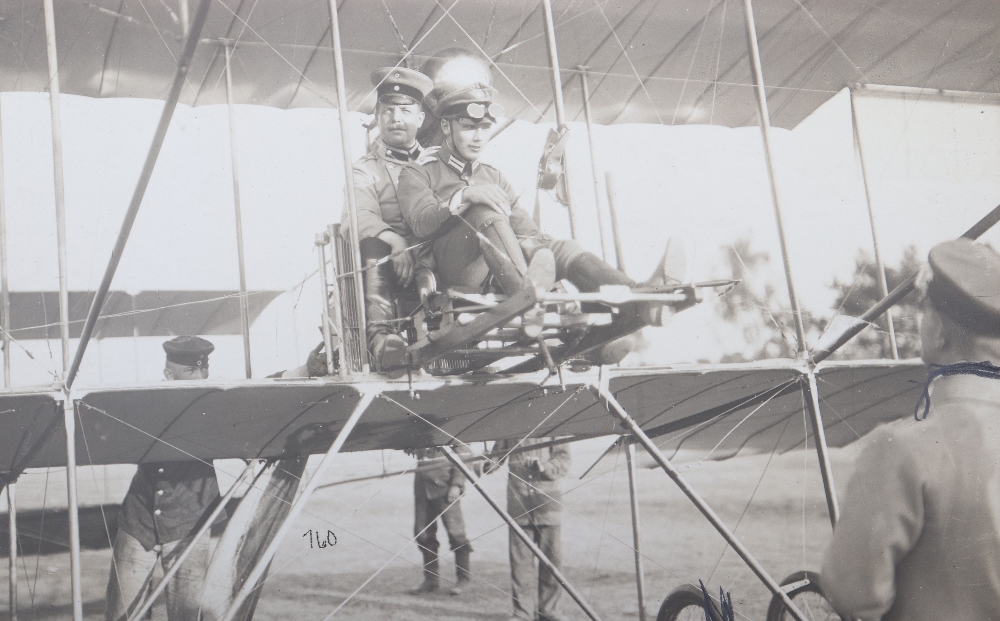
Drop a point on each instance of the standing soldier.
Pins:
(918, 537)
(437, 491)
(381, 229)
(533, 500)
(164, 507)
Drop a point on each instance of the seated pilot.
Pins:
(477, 228)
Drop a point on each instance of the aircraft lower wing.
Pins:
(721, 408)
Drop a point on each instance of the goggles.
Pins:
(478, 111)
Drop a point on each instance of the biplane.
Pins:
(307, 53)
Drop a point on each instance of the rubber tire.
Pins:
(683, 597)
(776, 610)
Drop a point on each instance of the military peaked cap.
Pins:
(472, 102)
(190, 351)
(965, 286)
(401, 86)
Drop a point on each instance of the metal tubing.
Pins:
(244, 302)
(4, 280)
(352, 208)
(880, 266)
(322, 239)
(182, 9)
(925, 93)
(633, 493)
(772, 585)
(12, 557)
(515, 528)
(183, 64)
(57, 174)
(338, 315)
(609, 184)
(68, 418)
(557, 98)
(73, 508)
(765, 130)
(985, 223)
(593, 157)
(822, 449)
(298, 505)
(205, 527)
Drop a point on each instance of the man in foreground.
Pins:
(533, 493)
(919, 537)
(381, 229)
(164, 507)
(476, 228)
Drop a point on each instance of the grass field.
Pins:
(775, 504)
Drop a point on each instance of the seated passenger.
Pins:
(381, 229)
(471, 214)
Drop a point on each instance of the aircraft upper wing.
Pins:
(686, 60)
(719, 408)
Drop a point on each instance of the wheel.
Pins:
(804, 590)
(685, 603)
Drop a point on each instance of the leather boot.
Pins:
(499, 247)
(431, 581)
(463, 571)
(588, 273)
(388, 348)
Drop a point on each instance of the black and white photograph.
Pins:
(500, 310)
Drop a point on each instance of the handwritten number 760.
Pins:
(321, 543)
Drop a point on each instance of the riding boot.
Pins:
(499, 247)
(431, 581)
(388, 348)
(463, 571)
(589, 273)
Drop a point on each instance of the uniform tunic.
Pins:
(919, 537)
(376, 176)
(168, 500)
(426, 193)
(532, 495)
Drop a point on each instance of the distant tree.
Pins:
(756, 308)
(856, 297)
(762, 316)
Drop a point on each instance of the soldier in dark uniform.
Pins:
(437, 489)
(381, 228)
(477, 228)
(164, 507)
(533, 493)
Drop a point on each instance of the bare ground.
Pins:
(775, 504)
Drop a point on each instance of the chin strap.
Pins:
(979, 369)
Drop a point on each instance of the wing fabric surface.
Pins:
(764, 410)
(722, 409)
(686, 61)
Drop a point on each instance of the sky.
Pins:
(933, 167)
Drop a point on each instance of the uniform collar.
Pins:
(401, 155)
(455, 161)
(965, 388)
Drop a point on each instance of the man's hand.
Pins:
(316, 362)
(403, 262)
(454, 493)
(491, 195)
